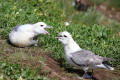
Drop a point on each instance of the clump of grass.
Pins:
(12, 71)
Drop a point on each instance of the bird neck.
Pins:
(71, 47)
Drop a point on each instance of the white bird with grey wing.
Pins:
(26, 35)
(79, 57)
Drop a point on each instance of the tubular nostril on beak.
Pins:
(56, 37)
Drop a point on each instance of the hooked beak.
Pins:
(48, 26)
(58, 37)
(45, 29)
(45, 32)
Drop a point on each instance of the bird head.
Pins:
(39, 28)
(64, 37)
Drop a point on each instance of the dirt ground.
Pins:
(35, 58)
(110, 12)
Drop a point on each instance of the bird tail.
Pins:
(108, 67)
(105, 66)
(108, 59)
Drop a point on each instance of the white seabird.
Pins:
(79, 57)
(26, 35)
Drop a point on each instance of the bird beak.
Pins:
(48, 26)
(46, 33)
(58, 37)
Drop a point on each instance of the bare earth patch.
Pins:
(35, 58)
(110, 12)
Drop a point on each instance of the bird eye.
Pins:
(65, 36)
(41, 25)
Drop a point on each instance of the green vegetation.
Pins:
(84, 28)
(113, 3)
(92, 16)
(14, 72)
(23, 11)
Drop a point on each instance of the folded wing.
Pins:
(86, 58)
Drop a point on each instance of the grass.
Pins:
(29, 11)
(16, 63)
(14, 72)
(112, 3)
(86, 29)
(90, 17)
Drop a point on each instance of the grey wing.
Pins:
(86, 58)
(16, 28)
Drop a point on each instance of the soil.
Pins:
(31, 57)
(110, 12)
